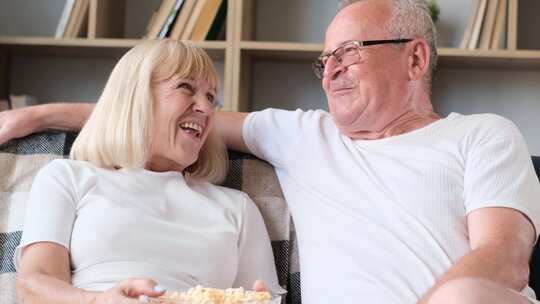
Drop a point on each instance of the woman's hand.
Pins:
(259, 286)
(129, 291)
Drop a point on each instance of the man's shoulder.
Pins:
(298, 113)
(491, 118)
(291, 120)
(488, 124)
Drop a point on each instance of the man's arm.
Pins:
(21, 122)
(501, 242)
(229, 128)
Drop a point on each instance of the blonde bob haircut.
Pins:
(118, 132)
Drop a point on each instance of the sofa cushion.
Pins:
(534, 276)
(21, 159)
(19, 162)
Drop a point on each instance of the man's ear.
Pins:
(418, 58)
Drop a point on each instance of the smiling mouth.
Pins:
(192, 128)
(342, 90)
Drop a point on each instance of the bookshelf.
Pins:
(239, 51)
(448, 57)
(89, 47)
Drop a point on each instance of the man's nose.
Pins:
(333, 68)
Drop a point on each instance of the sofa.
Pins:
(20, 160)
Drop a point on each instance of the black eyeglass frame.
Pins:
(318, 66)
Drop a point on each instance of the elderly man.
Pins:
(393, 204)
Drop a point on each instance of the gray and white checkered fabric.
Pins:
(21, 159)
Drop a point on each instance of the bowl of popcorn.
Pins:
(205, 295)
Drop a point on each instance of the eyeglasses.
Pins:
(348, 54)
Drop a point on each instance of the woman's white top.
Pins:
(138, 223)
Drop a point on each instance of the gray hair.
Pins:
(410, 19)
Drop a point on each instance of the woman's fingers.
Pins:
(259, 286)
(135, 287)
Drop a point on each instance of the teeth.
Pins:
(192, 125)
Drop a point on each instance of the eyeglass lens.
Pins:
(345, 55)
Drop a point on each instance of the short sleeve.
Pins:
(499, 173)
(51, 208)
(272, 134)
(256, 260)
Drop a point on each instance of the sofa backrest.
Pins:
(21, 159)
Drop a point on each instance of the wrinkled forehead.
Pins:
(364, 20)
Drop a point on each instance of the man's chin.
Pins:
(342, 117)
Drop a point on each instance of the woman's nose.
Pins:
(202, 105)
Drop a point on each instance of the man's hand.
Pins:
(17, 123)
(58, 116)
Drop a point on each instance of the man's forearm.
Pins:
(62, 116)
(496, 263)
(229, 128)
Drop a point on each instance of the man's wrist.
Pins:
(39, 116)
(60, 116)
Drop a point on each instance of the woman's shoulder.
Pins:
(67, 169)
(64, 164)
(224, 195)
(217, 190)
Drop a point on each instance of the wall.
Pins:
(514, 94)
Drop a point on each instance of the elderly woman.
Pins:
(135, 204)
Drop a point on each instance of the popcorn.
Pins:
(204, 295)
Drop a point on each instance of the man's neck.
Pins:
(407, 122)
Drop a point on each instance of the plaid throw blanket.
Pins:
(21, 159)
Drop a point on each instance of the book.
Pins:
(479, 19)
(512, 26)
(192, 20)
(106, 19)
(150, 23)
(498, 42)
(489, 25)
(218, 29)
(81, 24)
(467, 34)
(66, 12)
(170, 19)
(160, 18)
(78, 17)
(206, 18)
(181, 20)
(71, 20)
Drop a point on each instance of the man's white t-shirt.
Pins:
(138, 223)
(378, 221)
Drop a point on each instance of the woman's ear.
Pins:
(419, 59)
